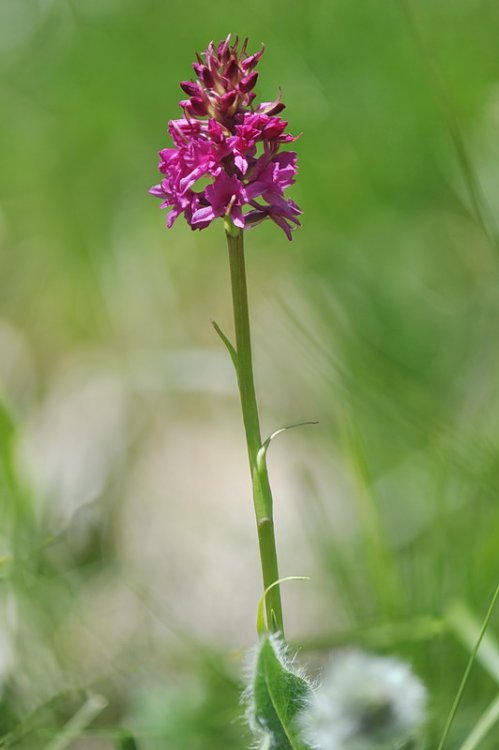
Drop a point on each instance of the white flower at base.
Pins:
(365, 702)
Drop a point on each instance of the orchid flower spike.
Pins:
(232, 144)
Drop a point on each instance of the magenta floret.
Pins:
(235, 147)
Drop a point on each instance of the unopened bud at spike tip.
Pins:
(250, 62)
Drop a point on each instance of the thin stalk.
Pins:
(471, 661)
(262, 495)
(80, 721)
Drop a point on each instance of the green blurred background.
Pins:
(128, 554)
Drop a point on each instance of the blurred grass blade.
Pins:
(471, 661)
(483, 726)
(380, 555)
(464, 160)
(7, 436)
(80, 721)
(382, 636)
(467, 628)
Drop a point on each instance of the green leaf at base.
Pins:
(277, 696)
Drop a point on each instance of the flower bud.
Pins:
(206, 77)
(248, 82)
(191, 89)
(227, 100)
(271, 108)
(198, 106)
(223, 51)
(194, 106)
(231, 72)
(252, 61)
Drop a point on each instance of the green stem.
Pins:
(262, 495)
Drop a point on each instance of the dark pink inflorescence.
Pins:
(226, 159)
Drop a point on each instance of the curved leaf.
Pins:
(278, 695)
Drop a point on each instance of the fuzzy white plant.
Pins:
(365, 702)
